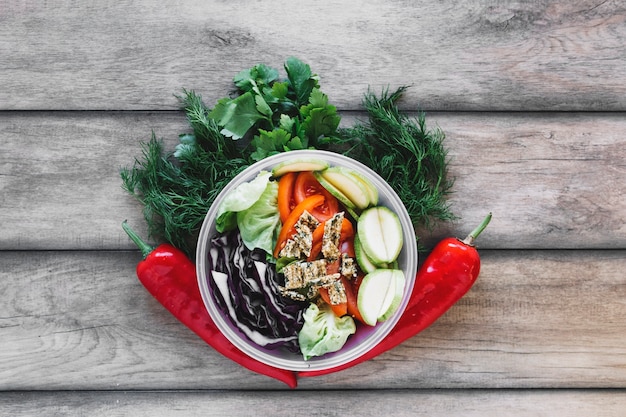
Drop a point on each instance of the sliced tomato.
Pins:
(307, 185)
(356, 282)
(333, 267)
(347, 245)
(286, 201)
(351, 296)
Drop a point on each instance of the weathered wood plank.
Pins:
(473, 55)
(534, 319)
(449, 403)
(541, 333)
(551, 180)
(59, 180)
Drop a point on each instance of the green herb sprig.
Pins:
(277, 116)
(406, 154)
(268, 116)
(177, 189)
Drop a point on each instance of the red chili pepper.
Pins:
(170, 277)
(447, 274)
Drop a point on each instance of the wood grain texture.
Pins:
(551, 180)
(535, 319)
(449, 403)
(473, 55)
(531, 96)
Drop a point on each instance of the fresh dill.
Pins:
(177, 189)
(406, 154)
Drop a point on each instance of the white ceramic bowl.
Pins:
(366, 337)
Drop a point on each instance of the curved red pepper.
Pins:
(447, 274)
(170, 277)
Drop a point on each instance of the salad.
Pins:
(304, 255)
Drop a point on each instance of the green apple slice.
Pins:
(396, 297)
(299, 165)
(364, 261)
(377, 294)
(380, 234)
(371, 189)
(343, 199)
(348, 185)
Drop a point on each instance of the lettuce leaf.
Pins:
(253, 208)
(323, 331)
(259, 225)
(239, 199)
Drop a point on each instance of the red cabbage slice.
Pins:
(246, 289)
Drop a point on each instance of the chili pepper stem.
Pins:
(469, 240)
(143, 246)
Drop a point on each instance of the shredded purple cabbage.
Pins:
(245, 287)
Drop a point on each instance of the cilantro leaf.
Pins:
(236, 116)
(270, 142)
(263, 107)
(321, 122)
(320, 118)
(260, 74)
(301, 79)
(280, 90)
(286, 122)
(318, 98)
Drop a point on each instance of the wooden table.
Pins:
(531, 96)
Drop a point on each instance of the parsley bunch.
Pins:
(269, 115)
(278, 116)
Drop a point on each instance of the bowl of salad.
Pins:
(306, 260)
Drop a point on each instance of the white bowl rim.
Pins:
(408, 261)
